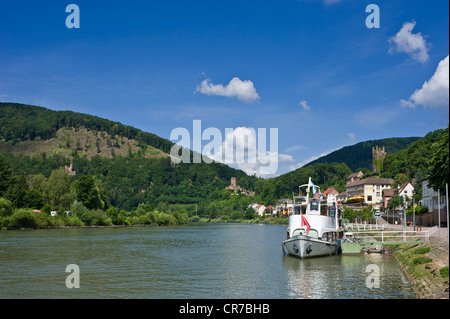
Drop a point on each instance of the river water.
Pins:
(198, 260)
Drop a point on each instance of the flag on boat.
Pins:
(305, 223)
(314, 188)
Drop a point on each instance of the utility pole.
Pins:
(439, 212)
(446, 204)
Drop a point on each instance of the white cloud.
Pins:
(352, 136)
(413, 44)
(240, 149)
(305, 105)
(434, 92)
(243, 90)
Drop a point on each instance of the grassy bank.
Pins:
(267, 220)
(426, 268)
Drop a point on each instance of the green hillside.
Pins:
(21, 123)
(360, 155)
(125, 176)
(132, 166)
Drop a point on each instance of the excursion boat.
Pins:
(315, 227)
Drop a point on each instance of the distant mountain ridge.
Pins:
(62, 132)
(360, 155)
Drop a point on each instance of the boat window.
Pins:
(313, 233)
(297, 210)
(298, 232)
(331, 211)
(314, 205)
(323, 210)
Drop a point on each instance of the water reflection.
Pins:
(344, 277)
(193, 261)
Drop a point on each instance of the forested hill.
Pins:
(360, 155)
(19, 122)
(131, 166)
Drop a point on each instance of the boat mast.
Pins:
(307, 197)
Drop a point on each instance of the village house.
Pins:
(354, 177)
(284, 207)
(369, 190)
(433, 200)
(387, 195)
(330, 191)
(405, 189)
(260, 210)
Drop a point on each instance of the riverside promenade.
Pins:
(426, 279)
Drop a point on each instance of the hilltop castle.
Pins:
(378, 155)
(234, 186)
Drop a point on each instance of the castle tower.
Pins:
(233, 183)
(378, 155)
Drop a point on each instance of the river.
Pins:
(199, 260)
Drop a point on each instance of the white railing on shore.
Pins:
(393, 235)
(358, 227)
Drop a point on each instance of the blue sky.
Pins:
(310, 68)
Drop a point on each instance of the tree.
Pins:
(249, 213)
(16, 193)
(212, 211)
(400, 179)
(6, 176)
(395, 201)
(58, 192)
(439, 169)
(6, 207)
(87, 192)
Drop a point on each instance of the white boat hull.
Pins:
(308, 247)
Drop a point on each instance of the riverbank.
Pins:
(269, 220)
(426, 266)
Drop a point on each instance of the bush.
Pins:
(143, 220)
(23, 219)
(41, 219)
(74, 221)
(194, 219)
(90, 217)
(421, 250)
(421, 260)
(444, 271)
(6, 223)
(164, 219)
(6, 207)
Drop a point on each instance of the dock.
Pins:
(366, 240)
